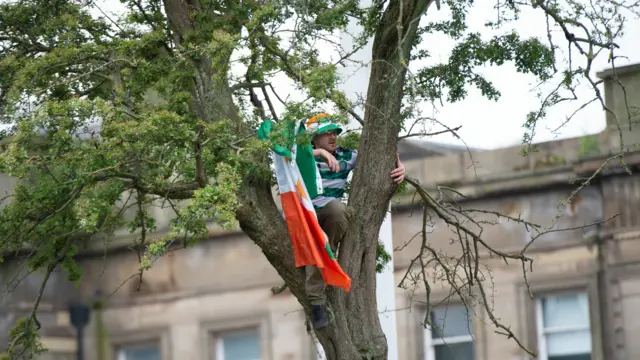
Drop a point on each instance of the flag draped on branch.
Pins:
(310, 243)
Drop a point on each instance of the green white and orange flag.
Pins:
(310, 243)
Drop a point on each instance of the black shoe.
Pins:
(318, 317)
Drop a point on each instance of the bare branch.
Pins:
(276, 94)
(269, 103)
(431, 133)
(279, 289)
(463, 272)
(298, 76)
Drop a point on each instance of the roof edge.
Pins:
(618, 70)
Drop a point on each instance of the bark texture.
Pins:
(372, 188)
(211, 94)
(354, 332)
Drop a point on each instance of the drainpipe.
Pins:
(100, 338)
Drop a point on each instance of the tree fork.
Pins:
(356, 333)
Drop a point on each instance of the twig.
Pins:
(276, 94)
(249, 85)
(298, 76)
(270, 104)
(279, 289)
(431, 134)
(462, 273)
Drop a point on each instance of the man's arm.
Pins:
(351, 164)
(398, 174)
(328, 158)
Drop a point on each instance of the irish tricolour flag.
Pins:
(310, 243)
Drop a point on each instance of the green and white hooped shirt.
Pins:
(333, 183)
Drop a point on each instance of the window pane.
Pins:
(241, 346)
(571, 357)
(578, 342)
(565, 310)
(148, 352)
(459, 351)
(451, 321)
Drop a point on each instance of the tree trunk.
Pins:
(355, 331)
(372, 188)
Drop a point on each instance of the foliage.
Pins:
(588, 146)
(25, 341)
(382, 257)
(528, 55)
(349, 140)
(118, 113)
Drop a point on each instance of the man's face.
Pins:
(326, 140)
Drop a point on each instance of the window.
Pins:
(238, 345)
(149, 351)
(451, 334)
(563, 327)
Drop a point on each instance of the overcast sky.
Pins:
(487, 124)
(490, 124)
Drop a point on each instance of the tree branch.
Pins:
(452, 130)
(276, 94)
(463, 271)
(249, 85)
(270, 104)
(299, 76)
(181, 190)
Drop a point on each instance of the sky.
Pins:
(488, 124)
(485, 124)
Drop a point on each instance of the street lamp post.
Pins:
(79, 314)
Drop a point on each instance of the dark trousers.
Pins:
(334, 219)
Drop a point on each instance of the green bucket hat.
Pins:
(322, 123)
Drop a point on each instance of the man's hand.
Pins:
(399, 172)
(328, 158)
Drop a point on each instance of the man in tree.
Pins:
(334, 164)
(107, 68)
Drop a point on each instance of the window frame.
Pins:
(542, 332)
(430, 343)
(210, 333)
(119, 349)
(218, 336)
(141, 336)
(570, 280)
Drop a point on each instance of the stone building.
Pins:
(214, 300)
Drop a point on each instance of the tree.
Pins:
(146, 105)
